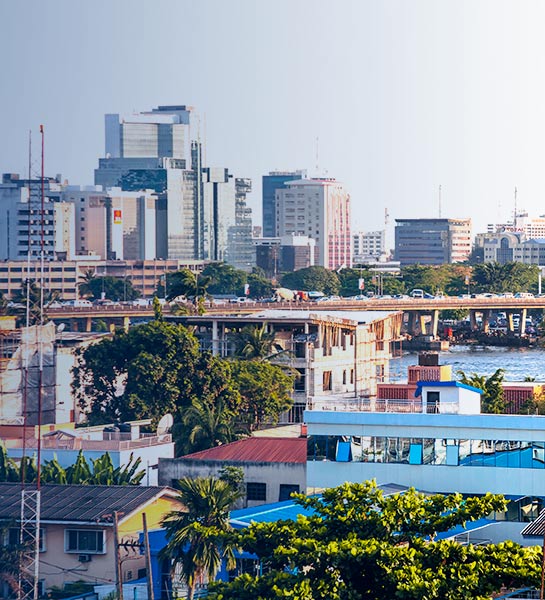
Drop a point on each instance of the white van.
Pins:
(417, 293)
(78, 303)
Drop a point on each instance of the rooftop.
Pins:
(257, 449)
(80, 503)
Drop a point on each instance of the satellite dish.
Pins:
(60, 327)
(165, 423)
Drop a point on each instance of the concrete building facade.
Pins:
(432, 241)
(319, 208)
(368, 245)
(272, 182)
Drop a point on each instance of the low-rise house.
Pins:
(273, 467)
(122, 442)
(77, 528)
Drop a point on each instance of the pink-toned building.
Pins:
(320, 209)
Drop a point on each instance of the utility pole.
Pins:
(118, 571)
(148, 557)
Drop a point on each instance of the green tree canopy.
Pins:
(510, 277)
(186, 283)
(362, 545)
(492, 401)
(265, 391)
(313, 278)
(106, 286)
(225, 279)
(254, 342)
(146, 372)
(100, 472)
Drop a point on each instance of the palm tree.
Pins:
(186, 283)
(32, 292)
(84, 286)
(207, 425)
(193, 535)
(254, 343)
(493, 397)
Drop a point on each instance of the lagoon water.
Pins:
(518, 363)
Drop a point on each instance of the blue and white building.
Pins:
(449, 446)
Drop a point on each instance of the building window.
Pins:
(326, 385)
(344, 377)
(286, 490)
(12, 537)
(256, 491)
(88, 541)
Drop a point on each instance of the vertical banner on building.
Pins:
(361, 283)
(246, 289)
(117, 217)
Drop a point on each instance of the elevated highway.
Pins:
(423, 314)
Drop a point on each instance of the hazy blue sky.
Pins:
(404, 95)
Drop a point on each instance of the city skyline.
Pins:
(392, 99)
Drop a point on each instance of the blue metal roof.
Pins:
(424, 384)
(268, 513)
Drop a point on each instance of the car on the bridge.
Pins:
(524, 295)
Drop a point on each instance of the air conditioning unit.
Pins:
(85, 558)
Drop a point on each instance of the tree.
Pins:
(205, 425)
(493, 397)
(225, 279)
(361, 545)
(508, 277)
(260, 286)
(102, 472)
(313, 278)
(265, 391)
(84, 286)
(194, 534)
(186, 283)
(110, 287)
(254, 343)
(31, 290)
(146, 372)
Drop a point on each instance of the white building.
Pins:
(368, 245)
(320, 209)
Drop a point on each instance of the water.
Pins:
(518, 363)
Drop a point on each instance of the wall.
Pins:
(273, 474)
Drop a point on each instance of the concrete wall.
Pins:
(273, 474)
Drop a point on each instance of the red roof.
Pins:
(257, 449)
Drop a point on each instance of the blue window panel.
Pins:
(343, 452)
(415, 454)
(452, 455)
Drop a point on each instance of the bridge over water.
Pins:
(422, 314)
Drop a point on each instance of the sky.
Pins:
(392, 97)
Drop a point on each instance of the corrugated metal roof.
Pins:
(85, 503)
(257, 449)
(536, 528)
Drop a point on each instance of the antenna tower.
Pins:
(29, 567)
(440, 189)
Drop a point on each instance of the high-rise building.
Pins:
(368, 245)
(218, 187)
(240, 247)
(432, 241)
(113, 224)
(162, 132)
(21, 217)
(153, 151)
(275, 180)
(320, 209)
